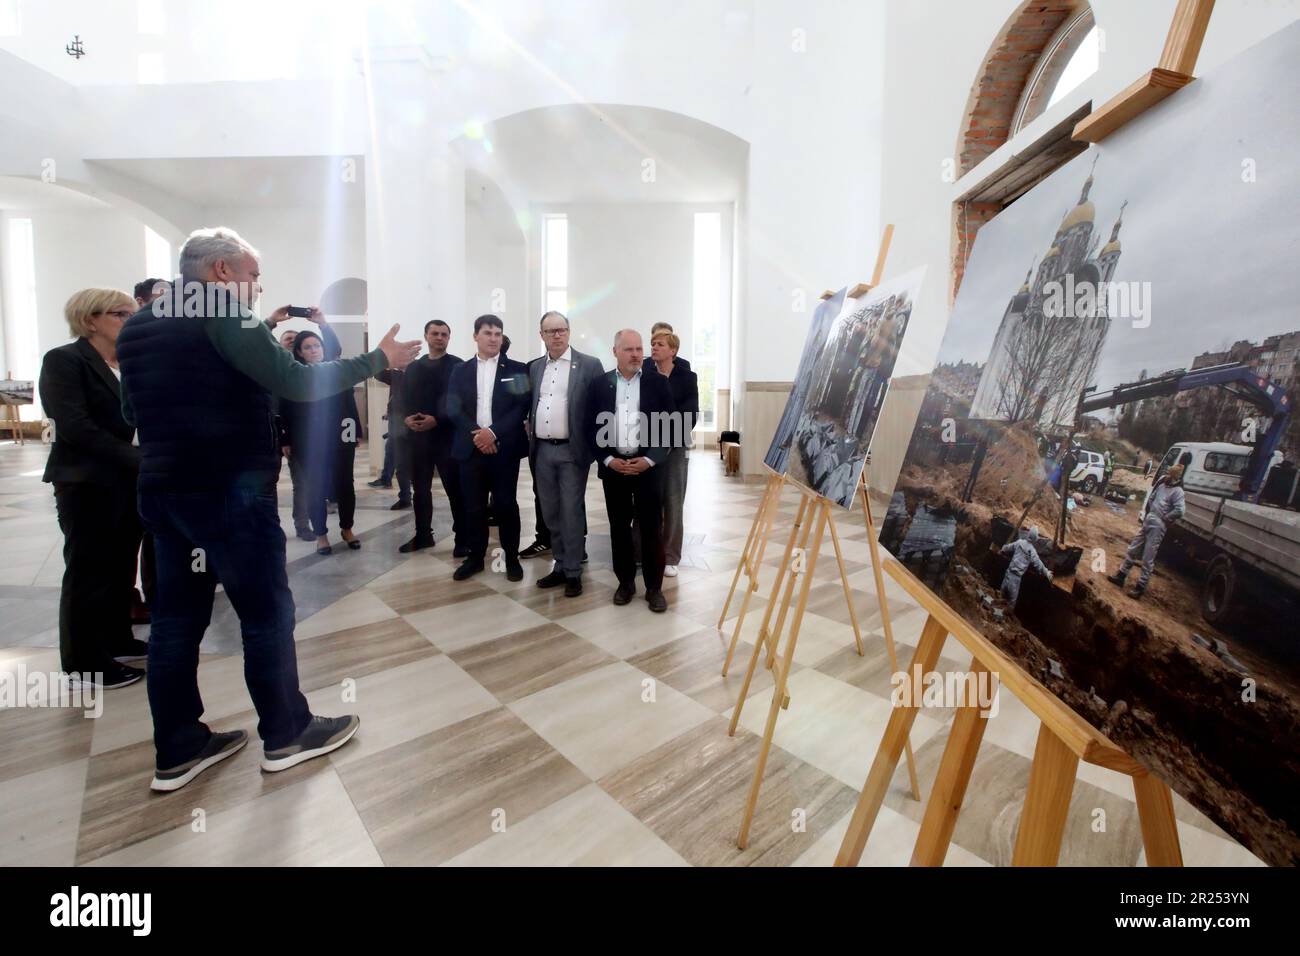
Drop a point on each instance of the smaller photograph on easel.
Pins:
(845, 388)
(778, 453)
(15, 392)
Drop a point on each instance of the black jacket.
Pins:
(656, 432)
(81, 396)
(685, 388)
(426, 383)
(510, 399)
(679, 362)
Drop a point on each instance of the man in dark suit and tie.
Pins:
(628, 421)
(558, 451)
(487, 402)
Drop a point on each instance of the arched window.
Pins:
(1043, 51)
(1070, 57)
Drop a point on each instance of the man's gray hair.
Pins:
(618, 336)
(204, 247)
(558, 315)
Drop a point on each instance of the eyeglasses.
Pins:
(555, 331)
(122, 314)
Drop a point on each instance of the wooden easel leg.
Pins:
(950, 783)
(1047, 802)
(891, 748)
(886, 621)
(749, 547)
(776, 584)
(1159, 826)
(778, 691)
(762, 640)
(801, 521)
(753, 562)
(848, 593)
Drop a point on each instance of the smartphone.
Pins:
(300, 311)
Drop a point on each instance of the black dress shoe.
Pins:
(572, 587)
(400, 505)
(416, 544)
(130, 650)
(469, 568)
(658, 603)
(624, 593)
(379, 483)
(514, 571)
(535, 550)
(306, 535)
(460, 551)
(552, 580)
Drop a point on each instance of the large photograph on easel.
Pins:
(843, 390)
(1102, 476)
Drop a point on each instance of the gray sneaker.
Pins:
(217, 749)
(323, 734)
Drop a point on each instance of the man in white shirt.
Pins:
(628, 428)
(487, 402)
(558, 451)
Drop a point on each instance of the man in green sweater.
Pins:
(198, 373)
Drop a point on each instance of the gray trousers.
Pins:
(561, 489)
(1143, 549)
(674, 500)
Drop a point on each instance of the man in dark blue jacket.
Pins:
(198, 372)
(487, 402)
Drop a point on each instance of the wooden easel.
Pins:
(751, 560)
(12, 420)
(1064, 738)
(806, 526)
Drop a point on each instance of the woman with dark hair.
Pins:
(323, 436)
(93, 466)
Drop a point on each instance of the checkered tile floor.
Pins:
(502, 724)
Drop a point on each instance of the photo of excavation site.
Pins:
(1102, 478)
(845, 388)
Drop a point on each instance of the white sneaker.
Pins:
(670, 571)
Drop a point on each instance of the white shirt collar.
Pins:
(487, 360)
(566, 357)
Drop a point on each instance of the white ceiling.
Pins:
(18, 193)
(576, 153)
(250, 181)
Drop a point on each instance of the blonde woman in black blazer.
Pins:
(93, 466)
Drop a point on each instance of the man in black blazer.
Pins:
(629, 427)
(487, 402)
(430, 440)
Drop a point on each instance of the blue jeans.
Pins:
(234, 536)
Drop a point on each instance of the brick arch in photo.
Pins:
(995, 100)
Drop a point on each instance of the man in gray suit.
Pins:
(557, 449)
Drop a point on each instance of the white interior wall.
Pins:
(304, 248)
(74, 249)
(496, 280)
(630, 265)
